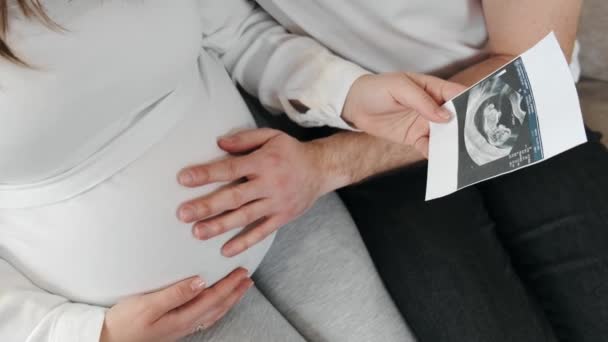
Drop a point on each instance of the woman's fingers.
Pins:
(249, 237)
(219, 292)
(187, 317)
(420, 132)
(441, 90)
(415, 96)
(174, 296)
(238, 218)
(212, 317)
(432, 93)
(422, 146)
(228, 198)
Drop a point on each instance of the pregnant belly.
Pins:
(122, 237)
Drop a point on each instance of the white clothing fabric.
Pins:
(93, 135)
(69, 114)
(121, 237)
(426, 36)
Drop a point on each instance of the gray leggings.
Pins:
(317, 283)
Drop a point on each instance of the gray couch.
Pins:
(593, 88)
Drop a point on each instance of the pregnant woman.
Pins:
(101, 104)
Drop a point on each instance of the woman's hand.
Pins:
(175, 312)
(399, 106)
(281, 180)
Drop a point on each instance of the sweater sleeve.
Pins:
(288, 73)
(30, 314)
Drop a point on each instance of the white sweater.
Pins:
(92, 137)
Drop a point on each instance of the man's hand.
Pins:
(399, 106)
(278, 182)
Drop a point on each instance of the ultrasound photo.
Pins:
(498, 128)
(524, 113)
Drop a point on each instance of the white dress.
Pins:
(93, 136)
(96, 173)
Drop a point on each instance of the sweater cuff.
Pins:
(322, 103)
(79, 323)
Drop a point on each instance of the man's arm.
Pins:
(283, 178)
(513, 27)
(299, 173)
(350, 157)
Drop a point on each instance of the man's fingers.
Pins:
(174, 296)
(249, 237)
(238, 218)
(231, 168)
(247, 140)
(225, 170)
(228, 198)
(185, 317)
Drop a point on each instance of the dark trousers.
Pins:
(523, 257)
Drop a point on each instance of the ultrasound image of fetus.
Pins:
(494, 121)
(497, 122)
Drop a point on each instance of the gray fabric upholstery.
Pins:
(594, 100)
(593, 91)
(593, 38)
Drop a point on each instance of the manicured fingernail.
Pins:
(185, 178)
(197, 284)
(186, 214)
(444, 113)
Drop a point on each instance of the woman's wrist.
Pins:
(104, 336)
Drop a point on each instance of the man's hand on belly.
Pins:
(275, 182)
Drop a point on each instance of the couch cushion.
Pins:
(592, 36)
(595, 105)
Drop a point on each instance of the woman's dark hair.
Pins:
(30, 9)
